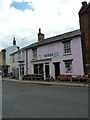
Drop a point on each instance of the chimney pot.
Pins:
(14, 41)
(84, 3)
(39, 30)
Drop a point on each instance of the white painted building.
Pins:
(18, 63)
(10, 50)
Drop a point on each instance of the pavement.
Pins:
(60, 83)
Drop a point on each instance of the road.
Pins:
(25, 100)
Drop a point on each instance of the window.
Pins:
(68, 66)
(19, 56)
(23, 55)
(35, 69)
(22, 70)
(67, 47)
(13, 58)
(34, 53)
(38, 68)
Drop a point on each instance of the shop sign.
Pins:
(51, 55)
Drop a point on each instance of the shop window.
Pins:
(68, 66)
(34, 53)
(67, 47)
(35, 69)
(21, 70)
(38, 68)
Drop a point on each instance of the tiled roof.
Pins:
(61, 37)
(20, 50)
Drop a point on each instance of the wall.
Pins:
(29, 58)
(17, 64)
(13, 65)
(59, 47)
(10, 50)
(84, 16)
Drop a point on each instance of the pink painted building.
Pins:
(61, 54)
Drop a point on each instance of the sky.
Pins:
(22, 19)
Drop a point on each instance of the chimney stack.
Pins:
(39, 30)
(14, 41)
(40, 35)
(84, 3)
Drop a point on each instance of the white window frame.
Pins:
(19, 56)
(34, 53)
(67, 47)
(68, 67)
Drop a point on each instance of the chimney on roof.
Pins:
(40, 35)
(84, 3)
(14, 41)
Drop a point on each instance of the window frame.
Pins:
(68, 66)
(67, 47)
(34, 54)
(21, 70)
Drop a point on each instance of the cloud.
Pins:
(22, 5)
(52, 16)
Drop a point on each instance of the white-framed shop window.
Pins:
(68, 66)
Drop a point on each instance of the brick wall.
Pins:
(84, 17)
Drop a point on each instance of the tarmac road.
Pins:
(24, 100)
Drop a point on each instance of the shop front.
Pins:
(42, 67)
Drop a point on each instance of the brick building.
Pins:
(84, 18)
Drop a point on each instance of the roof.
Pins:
(19, 50)
(62, 37)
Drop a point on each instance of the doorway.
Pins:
(47, 70)
(57, 69)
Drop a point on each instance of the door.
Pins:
(47, 70)
(17, 74)
(57, 69)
